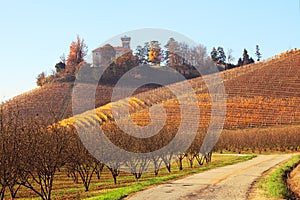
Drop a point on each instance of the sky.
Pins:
(34, 34)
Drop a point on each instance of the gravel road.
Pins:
(229, 182)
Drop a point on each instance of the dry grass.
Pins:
(294, 181)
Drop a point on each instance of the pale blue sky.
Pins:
(35, 33)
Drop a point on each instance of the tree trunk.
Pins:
(115, 178)
(180, 163)
(2, 192)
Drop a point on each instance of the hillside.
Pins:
(53, 102)
(262, 94)
(261, 116)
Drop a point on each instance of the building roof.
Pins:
(118, 48)
(99, 49)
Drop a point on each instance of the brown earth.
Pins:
(294, 181)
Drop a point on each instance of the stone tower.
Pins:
(126, 42)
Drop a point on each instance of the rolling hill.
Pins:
(262, 114)
(262, 94)
(53, 102)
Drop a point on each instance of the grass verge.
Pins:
(275, 184)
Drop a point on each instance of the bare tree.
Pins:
(81, 162)
(138, 165)
(11, 143)
(47, 149)
(230, 57)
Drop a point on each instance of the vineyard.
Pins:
(275, 80)
(267, 98)
(262, 115)
(53, 102)
(269, 95)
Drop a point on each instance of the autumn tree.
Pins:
(170, 53)
(78, 51)
(40, 79)
(43, 79)
(155, 53)
(126, 61)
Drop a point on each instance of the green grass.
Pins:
(275, 184)
(121, 192)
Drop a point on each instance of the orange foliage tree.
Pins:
(78, 50)
(155, 55)
(126, 59)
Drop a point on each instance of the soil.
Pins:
(294, 181)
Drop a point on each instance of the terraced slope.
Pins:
(53, 102)
(278, 78)
(261, 94)
(47, 102)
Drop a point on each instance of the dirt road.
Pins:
(229, 182)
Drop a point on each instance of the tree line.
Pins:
(180, 56)
(33, 152)
(218, 55)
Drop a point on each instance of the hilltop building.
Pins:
(104, 55)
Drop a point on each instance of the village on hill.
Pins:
(120, 59)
